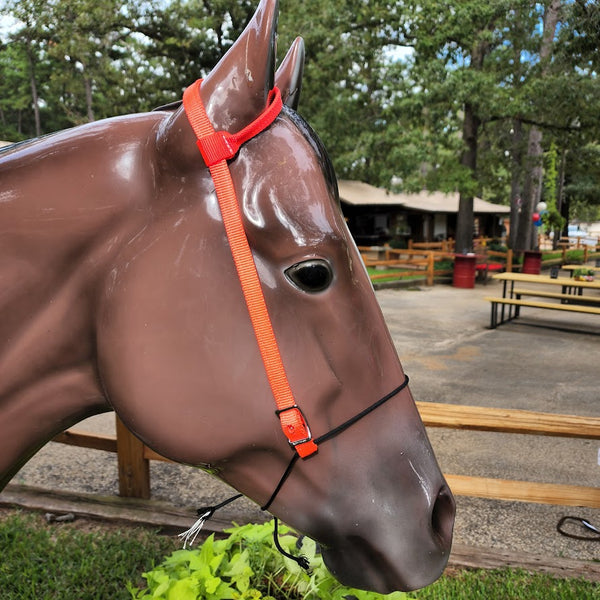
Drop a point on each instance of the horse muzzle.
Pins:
(377, 559)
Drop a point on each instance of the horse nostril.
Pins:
(442, 516)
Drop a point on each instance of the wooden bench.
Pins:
(564, 298)
(483, 268)
(517, 304)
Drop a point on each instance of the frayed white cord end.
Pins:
(189, 536)
(205, 513)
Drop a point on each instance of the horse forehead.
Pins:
(287, 191)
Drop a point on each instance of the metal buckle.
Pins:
(294, 443)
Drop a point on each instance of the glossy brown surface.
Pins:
(118, 291)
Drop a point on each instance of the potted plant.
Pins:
(584, 274)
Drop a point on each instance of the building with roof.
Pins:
(376, 216)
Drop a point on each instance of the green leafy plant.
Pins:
(584, 274)
(552, 219)
(247, 566)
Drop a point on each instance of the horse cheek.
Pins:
(177, 355)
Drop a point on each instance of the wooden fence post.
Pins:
(430, 267)
(509, 260)
(134, 469)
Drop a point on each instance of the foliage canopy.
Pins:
(407, 95)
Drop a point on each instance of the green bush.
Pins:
(247, 566)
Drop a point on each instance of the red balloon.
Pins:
(536, 216)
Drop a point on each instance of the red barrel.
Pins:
(464, 271)
(532, 262)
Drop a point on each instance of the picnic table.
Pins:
(574, 268)
(571, 297)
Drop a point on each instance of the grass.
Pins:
(574, 255)
(507, 584)
(393, 276)
(67, 562)
(444, 265)
(62, 562)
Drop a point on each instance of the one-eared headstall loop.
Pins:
(217, 147)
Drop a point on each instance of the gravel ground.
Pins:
(442, 338)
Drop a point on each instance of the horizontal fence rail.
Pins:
(134, 456)
(422, 259)
(500, 420)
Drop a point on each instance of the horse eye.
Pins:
(310, 275)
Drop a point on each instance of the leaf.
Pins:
(184, 589)
(211, 584)
(216, 562)
(239, 564)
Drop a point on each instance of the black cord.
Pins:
(209, 511)
(594, 531)
(285, 475)
(302, 561)
(337, 430)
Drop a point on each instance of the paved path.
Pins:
(442, 338)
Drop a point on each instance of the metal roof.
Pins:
(357, 193)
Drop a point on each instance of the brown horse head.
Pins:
(153, 320)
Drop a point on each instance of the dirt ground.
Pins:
(542, 362)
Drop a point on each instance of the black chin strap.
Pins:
(206, 513)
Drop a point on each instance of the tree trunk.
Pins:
(34, 93)
(515, 184)
(560, 197)
(471, 123)
(532, 190)
(88, 99)
(533, 181)
(465, 221)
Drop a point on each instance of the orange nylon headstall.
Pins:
(217, 147)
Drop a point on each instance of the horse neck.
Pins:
(63, 215)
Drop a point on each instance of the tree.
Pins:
(464, 63)
(534, 172)
(15, 92)
(578, 59)
(182, 40)
(345, 91)
(414, 94)
(26, 41)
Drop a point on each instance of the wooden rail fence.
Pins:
(399, 263)
(134, 456)
(420, 258)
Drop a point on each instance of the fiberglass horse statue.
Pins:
(121, 289)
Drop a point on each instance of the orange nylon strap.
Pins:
(216, 148)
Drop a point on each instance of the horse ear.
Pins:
(236, 90)
(289, 75)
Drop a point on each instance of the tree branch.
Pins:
(536, 123)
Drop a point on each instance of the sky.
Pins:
(6, 23)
